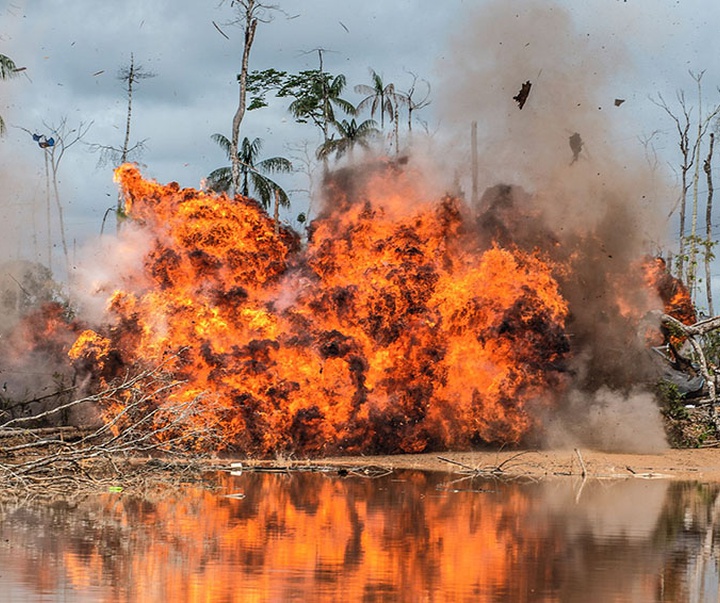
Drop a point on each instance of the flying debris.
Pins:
(43, 141)
(344, 26)
(576, 145)
(619, 101)
(522, 96)
(222, 33)
(98, 73)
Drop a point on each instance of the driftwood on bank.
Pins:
(283, 466)
(495, 470)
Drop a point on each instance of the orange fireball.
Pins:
(395, 330)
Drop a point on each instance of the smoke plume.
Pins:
(593, 206)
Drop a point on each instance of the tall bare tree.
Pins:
(682, 125)
(709, 243)
(55, 144)
(703, 122)
(413, 103)
(130, 75)
(690, 149)
(248, 14)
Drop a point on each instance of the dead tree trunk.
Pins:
(250, 25)
(707, 167)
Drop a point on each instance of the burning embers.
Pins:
(395, 330)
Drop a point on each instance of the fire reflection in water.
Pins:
(409, 536)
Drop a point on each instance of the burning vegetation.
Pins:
(392, 331)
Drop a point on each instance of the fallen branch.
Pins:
(691, 332)
(496, 470)
(146, 422)
(368, 471)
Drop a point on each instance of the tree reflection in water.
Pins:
(409, 536)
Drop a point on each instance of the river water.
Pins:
(406, 536)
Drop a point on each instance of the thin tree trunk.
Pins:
(474, 158)
(47, 211)
(61, 219)
(681, 229)
(397, 131)
(131, 77)
(120, 213)
(326, 116)
(692, 261)
(707, 166)
(277, 211)
(250, 26)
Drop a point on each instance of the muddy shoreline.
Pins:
(678, 464)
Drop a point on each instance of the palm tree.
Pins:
(379, 96)
(251, 173)
(7, 70)
(351, 134)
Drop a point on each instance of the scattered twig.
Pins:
(498, 469)
(582, 463)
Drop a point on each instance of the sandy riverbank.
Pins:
(687, 464)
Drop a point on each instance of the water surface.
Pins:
(407, 536)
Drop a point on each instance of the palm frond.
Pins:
(274, 165)
(7, 67)
(263, 188)
(346, 106)
(220, 180)
(337, 85)
(249, 151)
(223, 143)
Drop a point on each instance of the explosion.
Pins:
(409, 320)
(394, 330)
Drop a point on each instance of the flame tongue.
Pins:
(386, 334)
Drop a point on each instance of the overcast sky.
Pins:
(71, 51)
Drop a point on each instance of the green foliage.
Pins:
(696, 246)
(685, 425)
(259, 83)
(315, 94)
(711, 348)
(672, 401)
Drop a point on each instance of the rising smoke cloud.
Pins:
(599, 214)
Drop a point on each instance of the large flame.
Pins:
(394, 330)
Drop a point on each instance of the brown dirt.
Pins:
(689, 464)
